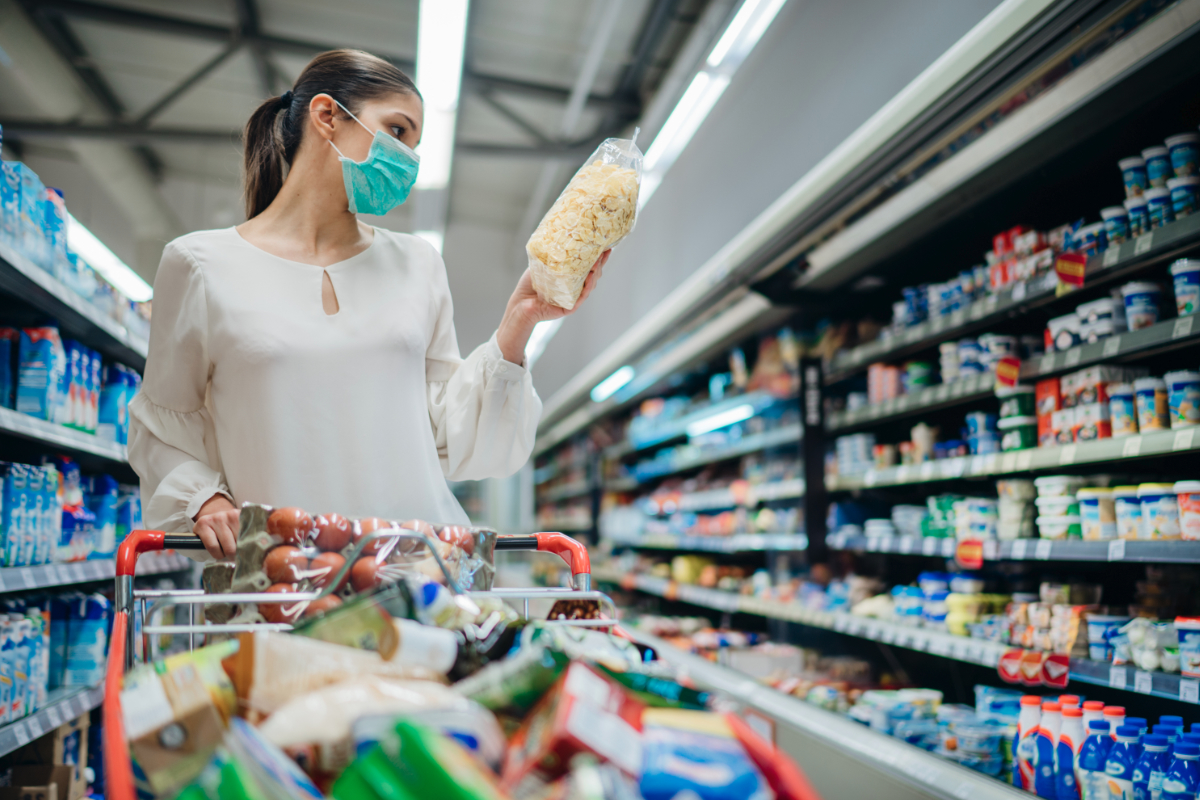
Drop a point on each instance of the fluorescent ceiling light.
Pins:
(441, 39)
(610, 385)
(105, 261)
(543, 332)
(685, 120)
(435, 238)
(721, 419)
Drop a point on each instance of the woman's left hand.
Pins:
(525, 309)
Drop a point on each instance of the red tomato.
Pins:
(370, 525)
(324, 567)
(333, 532)
(363, 575)
(285, 564)
(292, 525)
(327, 603)
(280, 612)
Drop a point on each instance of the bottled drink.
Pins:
(1115, 717)
(1093, 710)
(1069, 701)
(1122, 758)
(1151, 768)
(1183, 776)
(1044, 783)
(1093, 756)
(1140, 722)
(1169, 731)
(1070, 737)
(455, 654)
(1025, 744)
(1171, 719)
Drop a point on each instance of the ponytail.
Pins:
(276, 127)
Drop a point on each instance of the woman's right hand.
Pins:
(217, 526)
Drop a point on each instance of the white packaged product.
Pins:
(594, 212)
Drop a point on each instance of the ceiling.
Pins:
(176, 79)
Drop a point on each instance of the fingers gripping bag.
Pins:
(594, 212)
(290, 550)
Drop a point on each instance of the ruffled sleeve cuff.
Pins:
(497, 367)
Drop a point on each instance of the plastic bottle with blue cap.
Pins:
(1183, 777)
(1093, 756)
(1151, 768)
(1122, 758)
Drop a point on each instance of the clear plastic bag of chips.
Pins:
(594, 212)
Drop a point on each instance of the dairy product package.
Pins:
(41, 376)
(596, 211)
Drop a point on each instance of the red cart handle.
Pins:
(569, 550)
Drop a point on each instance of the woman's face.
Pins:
(398, 115)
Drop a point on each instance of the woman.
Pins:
(306, 358)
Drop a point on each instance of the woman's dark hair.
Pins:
(273, 133)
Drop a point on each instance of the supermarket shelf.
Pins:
(77, 317)
(1158, 684)
(738, 496)
(567, 491)
(62, 705)
(1158, 443)
(737, 543)
(1015, 300)
(965, 390)
(677, 428)
(1172, 333)
(45, 576)
(861, 746)
(746, 445)
(1156, 552)
(39, 430)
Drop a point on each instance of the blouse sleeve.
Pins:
(483, 409)
(172, 441)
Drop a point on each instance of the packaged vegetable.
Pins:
(594, 212)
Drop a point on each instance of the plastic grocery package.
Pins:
(594, 212)
(288, 549)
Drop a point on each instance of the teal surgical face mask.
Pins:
(383, 180)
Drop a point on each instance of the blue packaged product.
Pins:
(697, 754)
(1093, 756)
(1158, 166)
(102, 499)
(1159, 207)
(7, 659)
(54, 227)
(10, 202)
(1133, 173)
(32, 238)
(41, 368)
(1122, 758)
(1184, 151)
(113, 413)
(60, 611)
(9, 341)
(1183, 195)
(78, 537)
(129, 511)
(1151, 768)
(76, 356)
(31, 514)
(93, 384)
(87, 641)
(1045, 779)
(1183, 776)
(21, 652)
(11, 512)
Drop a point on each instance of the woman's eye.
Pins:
(397, 131)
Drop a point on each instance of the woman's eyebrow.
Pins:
(411, 123)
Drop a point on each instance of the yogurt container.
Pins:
(1150, 396)
(1102, 627)
(1090, 239)
(1128, 510)
(1160, 511)
(1158, 166)
(1015, 401)
(1184, 150)
(1183, 397)
(1189, 645)
(1062, 426)
(1091, 423)
(1105, 308)
(1159, 207)
(1058, 485)
(984, 443)
(1097, 513)
(1187, 493)
(1133, 173)
(1142, 301)
(1063, 506)
(1059, 527)
(1186, 274)
(1017, 433)
(1183, 195)
(1122, 409)
(1139, 215)
(1116, 224)
(1064, 331)
(980, 421)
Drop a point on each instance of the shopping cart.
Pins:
(129, 601)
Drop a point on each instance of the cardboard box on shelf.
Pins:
(42, 782)
(65, 746)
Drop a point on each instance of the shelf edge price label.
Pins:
(1067, 455)
(1018, 549)
(1183, 327)
(1183, 439)
(1112, 346)
(1116, 550)
(1143, 682)
(1042, 551)
(1117, 677)
(929, 546)
(1144, 243)
(1189, 690)
(1132, 447)
(1111, 256)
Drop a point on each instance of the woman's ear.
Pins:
(321, 112)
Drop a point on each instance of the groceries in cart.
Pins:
(413, 689)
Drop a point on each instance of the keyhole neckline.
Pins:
(329, 300)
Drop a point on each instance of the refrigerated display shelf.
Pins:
(938, 643)
(62, 705)
(747, 496)
(567, 491)
(931, 775)
(964, 390)
(751, 443)
(1017, 299)
(77, 317)
(60, 436)
(1153, 552)
(1144, 445)
(46, 576)
(677, 428)
(737, 543)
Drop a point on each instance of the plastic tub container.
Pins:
(979, 422)
(1159, 207)
(1098, 651)
(1059, 527)
(1160, 511)
(1187, 493)
(1096, 512)
(1116, 224)
(1142, 302)
(1139, 215)
(1183, 195)
(1064, 331)
(1091, 422)
(1183, 397)
(1186, 274)
(984, 443)
(1063, 506)
(1158, 166)
(1122, 409)
(1015, 401)
(1184, 152)
(1090, 239)
(1058, 485)
(1189, 645)
(1102, 627)
(1128, 511)
(1106, 308)
(1017, 433)
(1150, 395)
(1133, 173)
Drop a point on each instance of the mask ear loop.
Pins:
(356, 119)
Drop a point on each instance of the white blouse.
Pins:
(253, 391)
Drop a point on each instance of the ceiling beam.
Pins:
(250, 31)
(184, 86)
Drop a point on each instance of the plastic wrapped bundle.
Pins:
(594, 212)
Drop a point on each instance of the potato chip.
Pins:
(594, 212)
